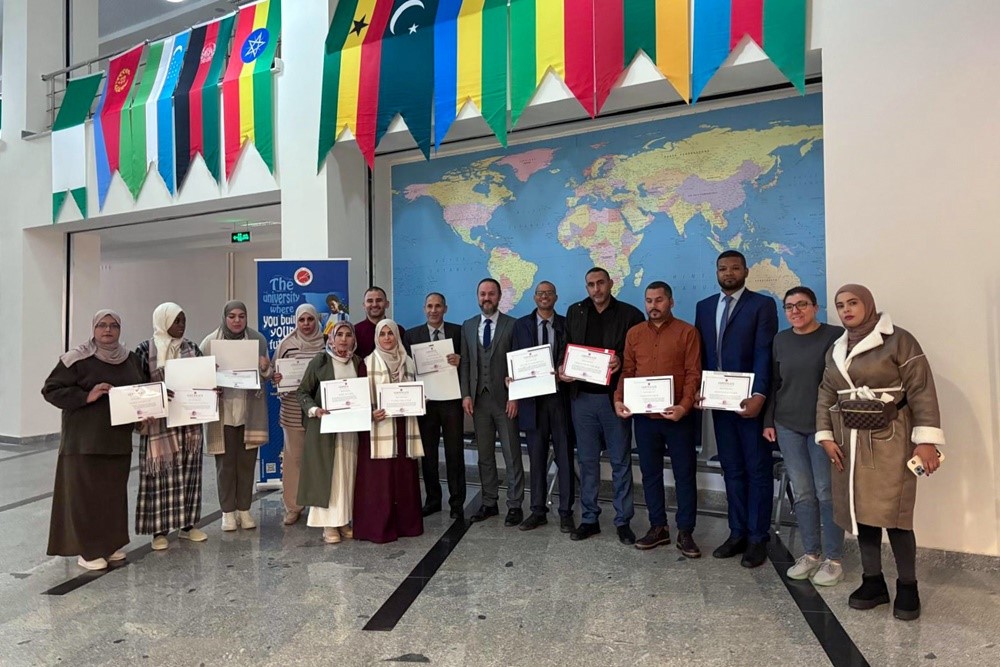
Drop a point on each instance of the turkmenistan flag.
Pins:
(406, 81)
(69, 143)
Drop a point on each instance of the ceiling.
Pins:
(122, 23)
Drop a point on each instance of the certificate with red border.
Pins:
(590, 364)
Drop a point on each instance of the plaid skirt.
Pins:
(172, 499)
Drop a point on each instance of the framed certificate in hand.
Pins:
(402, 399)
(649, 395)
(590, 364)
(725, 391)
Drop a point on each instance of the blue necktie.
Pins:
(488, 333)
(722, 330)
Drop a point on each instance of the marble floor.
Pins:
(280, 596)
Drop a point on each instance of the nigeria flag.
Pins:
(69, 144)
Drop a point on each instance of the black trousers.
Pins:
(443, 419)
(552, 420)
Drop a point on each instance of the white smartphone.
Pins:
(916, 466)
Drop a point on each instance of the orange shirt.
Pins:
(672, 349)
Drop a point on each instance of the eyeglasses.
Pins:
(108, 325)
(799, 305)
(546, 292)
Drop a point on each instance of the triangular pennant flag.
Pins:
(69, 143)
(109, 128)
(662, 30)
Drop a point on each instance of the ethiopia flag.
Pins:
(470, 64)
(111, 121)
(350, 74)
(247, 95)
(69, 143)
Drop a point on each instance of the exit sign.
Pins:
(240, 237)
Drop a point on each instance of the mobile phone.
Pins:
(916, 466)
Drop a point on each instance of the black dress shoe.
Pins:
(514, 517)
(456, 514)
(756, 554)
(427, 510)
(533, 521)
(483, 513)
(584, 531)
(731, 547)
(625, 535)
(566, 524)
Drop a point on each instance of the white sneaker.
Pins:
(160, 543)
(117, 556)
(804, 567)
(829, 573)
(96, 564)
(245, 519)
(228, 521)
(193, 535)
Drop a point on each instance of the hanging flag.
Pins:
(555, 35)
(350, 74)
(785, 38)
(747, 18)
(470, 64)
(609, 47)
(662, 30)
(406, 82)
(108, 125)
(196, 99)
(711, 42)
(160, 109)
(133, 146)
(69, 143)
(247, 91)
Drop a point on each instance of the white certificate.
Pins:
(245, 379)
(190, 373)
(725, 391)
(649, 395)
(135, 402)
(590, 364)
(193, 406)
(349, 403)
(238, 361)
(532, 372)
(402, 399)
(291, 371)
(439, 377)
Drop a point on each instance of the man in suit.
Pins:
(545, 419)
(601, 321)
(486, 340)
(736, 328)
(376, 304)
(443, 418)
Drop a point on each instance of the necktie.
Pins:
(488, 333)
(437, 334)
(722, 330)
(545, 332)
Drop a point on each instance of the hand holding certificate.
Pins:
(402, 399)
(347, 406)
(291, 372)
(649, 395)
(137, 402)
(193, 406)
(440, 378)
(725, 391)
(532, 373)
(590, 364)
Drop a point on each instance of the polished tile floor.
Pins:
(280, 596)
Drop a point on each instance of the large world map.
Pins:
(647, 201)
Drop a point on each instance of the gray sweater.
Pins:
(798, 362)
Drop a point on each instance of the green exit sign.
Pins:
(240, 237)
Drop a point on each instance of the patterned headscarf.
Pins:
(333, 334)
(114, 353)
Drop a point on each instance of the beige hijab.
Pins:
(297, 340)
(115, 353)
(395, 359)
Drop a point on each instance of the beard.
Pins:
(488, 308)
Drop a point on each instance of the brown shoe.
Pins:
(346, 532)
(291, 517)
(656, 536)
(686, 544)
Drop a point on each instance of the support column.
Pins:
(85, 286)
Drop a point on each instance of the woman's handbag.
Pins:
(867, 414)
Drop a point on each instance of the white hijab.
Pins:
(166, 347)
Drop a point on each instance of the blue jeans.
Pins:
(654, 438)
(808, 469)
(595, 421)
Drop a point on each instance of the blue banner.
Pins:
(282, 286)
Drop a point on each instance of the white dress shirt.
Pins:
(494, 318)
(721, 308)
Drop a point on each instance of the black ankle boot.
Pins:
(870, 594)
(906, 607)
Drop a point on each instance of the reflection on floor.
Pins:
(280, 596)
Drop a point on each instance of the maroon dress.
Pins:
(387, 494)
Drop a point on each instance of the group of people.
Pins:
(365, 485)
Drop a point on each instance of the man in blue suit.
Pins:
(737, 327)
(546, 418)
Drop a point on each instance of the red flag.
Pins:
(121, 75)
(747, 19)
(368, 78)
(579, 50)
(609, 46)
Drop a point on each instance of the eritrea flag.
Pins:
(406, 81)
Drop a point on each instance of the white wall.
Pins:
(912, 194)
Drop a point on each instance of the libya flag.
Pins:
(69, 143)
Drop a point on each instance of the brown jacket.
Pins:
(876, 488)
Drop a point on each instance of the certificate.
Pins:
(135, 402)
(291, 371)
(725, 391)
(190, 373)
(439, 377)
(532, 372)
(349, 404)
(402, 399)
(238, 361)
(590, 364)
(193, 406)
(238, 379)
(649, 395)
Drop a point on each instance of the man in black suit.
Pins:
(546, 418)
(443, 418)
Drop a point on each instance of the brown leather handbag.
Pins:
(869, 414)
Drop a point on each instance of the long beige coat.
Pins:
(876, 488)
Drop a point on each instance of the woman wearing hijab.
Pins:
(242, 425)
(330, 460)
(872, 486)
(387, 494)
(169, 458)
(305, 342)
(90, 500)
